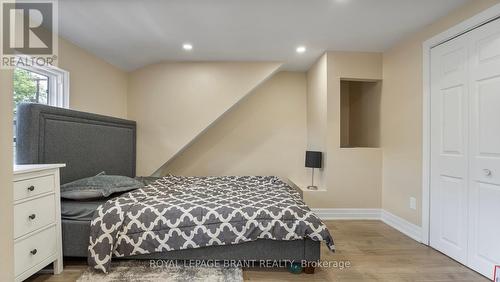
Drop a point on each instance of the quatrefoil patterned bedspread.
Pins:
(181, 212)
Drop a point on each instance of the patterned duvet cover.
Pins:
(177, 212)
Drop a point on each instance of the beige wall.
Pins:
(364, 113)
(345, 114)
(317, 112)
(95, 85)
(175, 102)
(353, 175)
(6, 210)
(265, 135)
(354, 180)
(401, 136)
(354, 66)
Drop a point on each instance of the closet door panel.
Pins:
(484, 196)
(449, 148)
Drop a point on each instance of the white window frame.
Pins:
(58, 91)
(58, 85)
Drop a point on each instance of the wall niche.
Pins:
(360, 113)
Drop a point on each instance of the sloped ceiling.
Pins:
(173, 103)
(265, 135)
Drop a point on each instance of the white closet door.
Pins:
(484, 183)
(449, 148)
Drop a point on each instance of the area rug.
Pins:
(141, 271)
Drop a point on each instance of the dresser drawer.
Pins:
(32, 187)
(33, 250)
(32, 215)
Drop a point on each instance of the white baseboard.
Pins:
(409, 229)
(358, 214)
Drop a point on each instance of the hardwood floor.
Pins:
(376, 252)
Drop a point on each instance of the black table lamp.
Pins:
(313, 160)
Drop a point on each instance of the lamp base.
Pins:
(312, 187)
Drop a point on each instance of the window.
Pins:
(42, 85)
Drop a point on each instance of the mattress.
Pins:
(84, 210)
(79, 210)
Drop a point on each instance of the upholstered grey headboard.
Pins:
(86, 143)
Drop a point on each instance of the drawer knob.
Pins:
(31, 188)
(487, 172)
(33, 252)
(32, 216)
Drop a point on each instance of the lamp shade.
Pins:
(314, 159)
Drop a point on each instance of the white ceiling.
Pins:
(132, 34)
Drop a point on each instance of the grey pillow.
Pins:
(99, 186)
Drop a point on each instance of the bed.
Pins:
(90, 143)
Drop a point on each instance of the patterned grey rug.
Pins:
(140, 271)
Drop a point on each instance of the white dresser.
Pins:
(37, 219)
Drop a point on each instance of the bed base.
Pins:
(76, 240)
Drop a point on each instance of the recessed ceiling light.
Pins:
(187, 46)
(300, 49)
